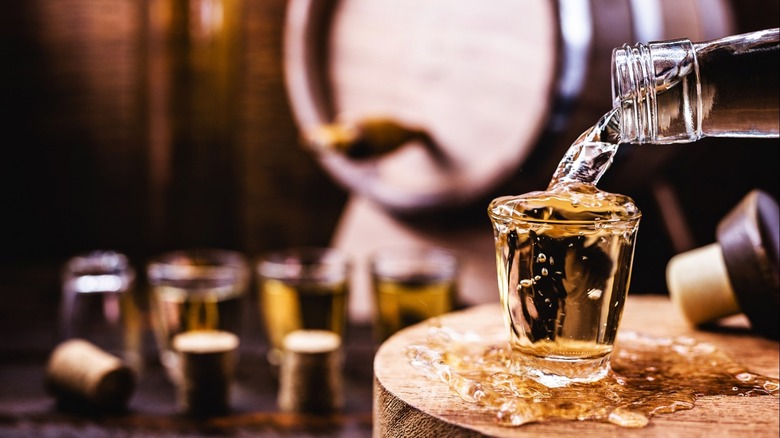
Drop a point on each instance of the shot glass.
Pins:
(98, 304)
(196, 290)
(563, 284)
(302, 289)
(411, 285)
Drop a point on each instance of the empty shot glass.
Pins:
(412, 285)
(195, 290)
(98, 304)
(302, 289)
(564, 263)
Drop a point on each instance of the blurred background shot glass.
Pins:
(412, 285)
(196, 290)
(98, 304)
(302, 289)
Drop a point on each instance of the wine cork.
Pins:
(739, 273)
(80, 371)
(207, 361)
(699, 285)
(310, 377)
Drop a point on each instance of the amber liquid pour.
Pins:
(564, 258)
(548, 270)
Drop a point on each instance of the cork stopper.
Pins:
(699, 285)
(310, 377)
(207, 360)
(739, 273)
(78, 371)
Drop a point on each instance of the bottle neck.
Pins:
(678, 92)
(656, 89)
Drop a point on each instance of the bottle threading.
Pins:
(678, 91)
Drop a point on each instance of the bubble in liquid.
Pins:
(744, 377)
(594, 294)
(526, 282)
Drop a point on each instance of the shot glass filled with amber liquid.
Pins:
(411, 285)
(199, 290)
(564, 259)
(302, 289)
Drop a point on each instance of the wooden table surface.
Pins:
(27, 410)
(405, 398)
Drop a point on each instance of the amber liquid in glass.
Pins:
(287, 306)
(402, 302)
(564, 260)
(178, 310)
(563, 283)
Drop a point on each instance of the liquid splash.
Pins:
(649, 376)
(591, 154)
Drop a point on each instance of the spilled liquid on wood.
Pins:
(649, 376)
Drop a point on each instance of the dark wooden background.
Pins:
(140, 127)
(131, 125)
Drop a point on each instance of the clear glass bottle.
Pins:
(679, 91)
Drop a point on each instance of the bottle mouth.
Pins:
(657, 75)
(634, 93)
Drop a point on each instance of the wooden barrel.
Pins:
(503, 86)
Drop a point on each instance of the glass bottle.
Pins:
(678, 91)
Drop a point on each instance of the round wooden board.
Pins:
(406, 403)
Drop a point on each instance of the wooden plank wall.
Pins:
(148, 126)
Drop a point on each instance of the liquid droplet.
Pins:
(626, 418)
